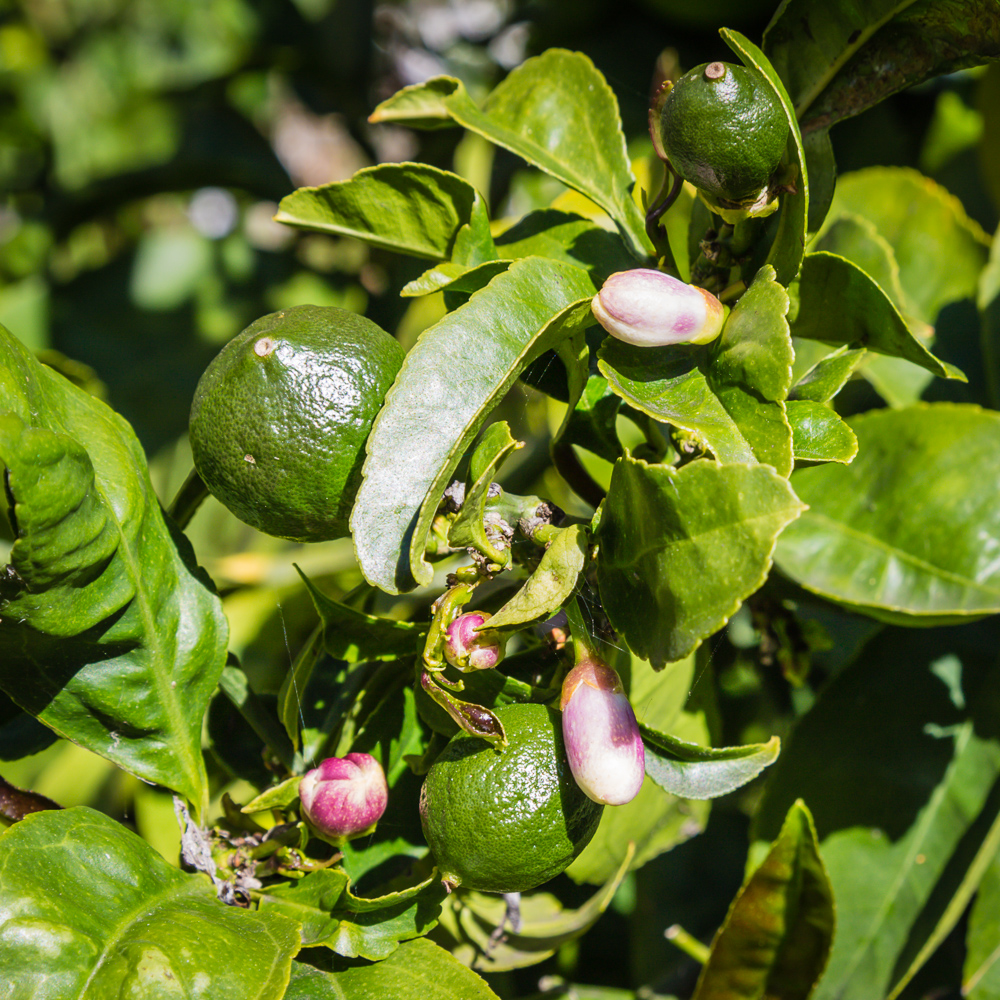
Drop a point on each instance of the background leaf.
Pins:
(550, 111)
(123, 921)
(450, 381)
(776, 939)
(681, 548)
(910, 528)
(109, 634)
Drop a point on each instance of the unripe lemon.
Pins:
(509, 821)
(281, 415)
(724, 130)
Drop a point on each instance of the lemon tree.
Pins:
(280, 418)
(658, 548)
(506, 821)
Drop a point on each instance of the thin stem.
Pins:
(583, 645)
(687, 943)
(189, 498)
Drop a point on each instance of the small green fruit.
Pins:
(724, 130)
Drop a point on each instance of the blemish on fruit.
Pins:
(715, 71)
(249, 459)
(264, 347)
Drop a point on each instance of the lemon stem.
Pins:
(189, 498)
(584, 647)
(687, 943)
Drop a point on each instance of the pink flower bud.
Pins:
(602, 738)
(344, 796)
(467, 649)
(648, 308)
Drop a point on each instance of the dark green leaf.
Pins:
(450, 381)
(988, 300)
(939, 250)
(352, 926)
(550, 111)
(777, 935)
(897, 836)
(681, 548)
(258, 713)
(592, 422)
(692, 771)
(822, 175)
(818, 433)
(981, 975)
(552, 582)
(91, 910)
(411, 208)
(112, 636)
(909, 528)
(355, 636)
(417, 969)
(840, 304)
(789, 240)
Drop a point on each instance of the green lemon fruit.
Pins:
(280, 418)
(508, 821)
(724, 130)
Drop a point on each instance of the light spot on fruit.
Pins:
(264, 346)
(249, 459)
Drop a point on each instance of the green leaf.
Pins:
(828, 376)
(449, 383)
(654, 820)
(469, 528)
(545, 926)
(88, 909)
(840, 304)
(939, 250)
(680, 549)
(567, 237)
(788, 244)
(592, 423)
(452, 277)
(839, 58)
(692, 771)
(353, 926)
(729, 395)
(897, 838)
(776, 939)
(822, 168)
(558, 113)
(277, 797)
(819, 434)
(988, 301)
(411, 208)
(355, 636)
(904, 532)
(981, 975)
(750, 370)
(551, 583)
(110, 634)
(417, 969)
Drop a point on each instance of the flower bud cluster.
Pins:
(467, 649)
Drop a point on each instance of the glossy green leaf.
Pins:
(897, 838)
(417, 969)
(411, 208)
(355, 636)
(939, 250)
(828, 376)
(548, 111)
(822, 168)
(819, 434)
(89, 910)
(451, 277)
(691, 771)
(789, 240)
(988, 301)
(840, 304)
(551, 583)
(469, 528)
(682, 548)
(109, 632)
(909, 528)
(545, 925)
(750, 370)
(353, 926)
(295, 683)
(277, 797)
(654, 820)
(839, 58)
(776, 939)
(569, 238)
(729, 395)
(450, 381)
